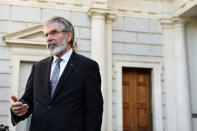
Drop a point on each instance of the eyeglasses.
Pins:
(53, 33)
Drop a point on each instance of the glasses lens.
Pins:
(52, 33)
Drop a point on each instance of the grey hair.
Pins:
(66, 26)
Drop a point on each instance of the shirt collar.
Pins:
(65, 57)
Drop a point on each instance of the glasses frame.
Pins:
(53, 33)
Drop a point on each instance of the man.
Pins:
(63, 91)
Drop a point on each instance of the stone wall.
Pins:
(5, 69)
(135, 39)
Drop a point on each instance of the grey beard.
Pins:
(59, 47)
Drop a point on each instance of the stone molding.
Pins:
(99, 4)
(77, 5)
(136, 8)
(156, 91)
(181, 7)
(25, 38)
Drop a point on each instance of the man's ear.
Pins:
(68, 36)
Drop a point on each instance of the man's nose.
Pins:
(49, 38)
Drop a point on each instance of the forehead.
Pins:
(51, 27)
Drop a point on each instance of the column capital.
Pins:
(166, 23)
(169, 23)
(98, 12)
(110, 17)
(178, 22)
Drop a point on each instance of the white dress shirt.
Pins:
(63, 63)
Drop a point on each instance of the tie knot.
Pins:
(58, 60)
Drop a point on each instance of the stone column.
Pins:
(183, 105)
(108, 25)
(168, 74)
(98, 52)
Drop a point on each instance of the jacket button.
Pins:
(49, 107)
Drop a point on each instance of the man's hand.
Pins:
(17, 107)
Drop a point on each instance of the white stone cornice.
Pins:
(76, 5)
(181, 7)
(24, 43)
(99, 4)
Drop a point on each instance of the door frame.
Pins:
(155, 90)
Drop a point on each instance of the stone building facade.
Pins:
(155, 36)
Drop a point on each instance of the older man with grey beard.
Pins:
(63, 92)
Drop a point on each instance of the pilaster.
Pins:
(176, 75)
(167, 29)
(109, 21)
(98, 51)
(101, 51)
(181, 77)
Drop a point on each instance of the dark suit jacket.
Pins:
(77, 104)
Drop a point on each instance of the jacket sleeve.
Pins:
(27, 98)
(94, 99)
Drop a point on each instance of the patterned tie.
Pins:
(55, 75)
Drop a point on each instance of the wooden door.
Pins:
(137, 114)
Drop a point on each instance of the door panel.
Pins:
(137, 114)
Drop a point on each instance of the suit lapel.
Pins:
(48, 71)
(67, 71)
